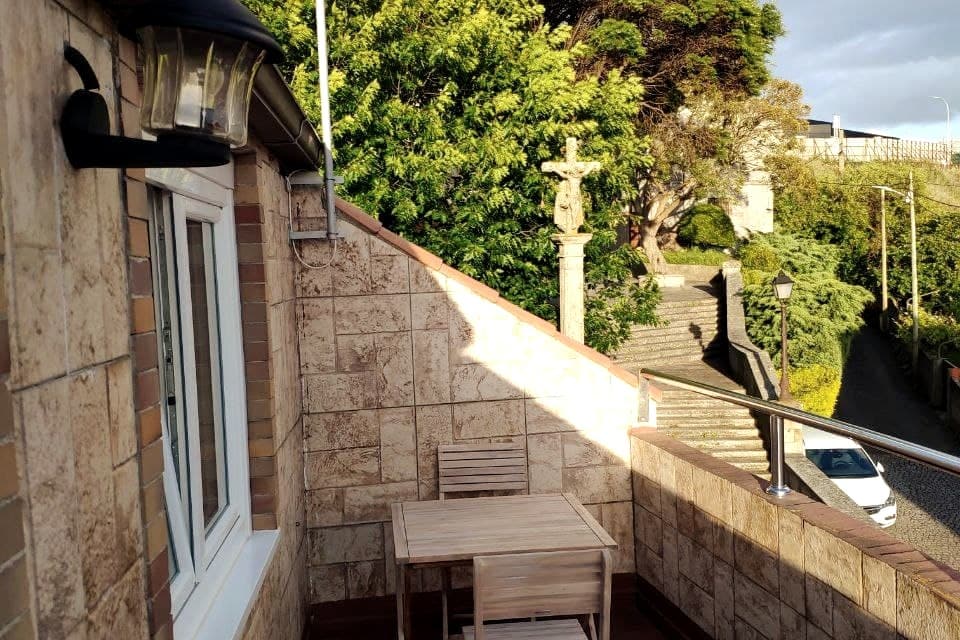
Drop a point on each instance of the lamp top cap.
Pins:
(782, 278)
(226, 17)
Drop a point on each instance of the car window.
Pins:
(842, 463)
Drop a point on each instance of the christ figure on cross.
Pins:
(568, 208)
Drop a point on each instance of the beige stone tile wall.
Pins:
(743, 564)
(400, 353)
(72, 541)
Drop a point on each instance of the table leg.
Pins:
(404, 622)
(444, 595)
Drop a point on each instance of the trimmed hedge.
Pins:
(706, 226)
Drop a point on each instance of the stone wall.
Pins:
(741, 563)
(72, 542)
(400, 353)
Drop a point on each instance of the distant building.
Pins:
(829, 141)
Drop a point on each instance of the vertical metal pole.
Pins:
(883, 259)
(325, 128)
(778, 486)
(784, 364)
(913, 269)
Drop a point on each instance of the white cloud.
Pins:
(874, 62)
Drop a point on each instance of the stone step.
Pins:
(674, 329)
(672, 404)
(699, 424)
(652, 361)
(745, 445)
(737, 456)
(674, 340)
(665, 347)
(696, 400)
(723, 433)
(679, 315)
(688, 304)
(650, 352)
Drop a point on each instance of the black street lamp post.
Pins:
(782, 288)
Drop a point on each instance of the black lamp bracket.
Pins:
(85, 128)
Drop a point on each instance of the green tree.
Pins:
(443, 112)
(710, 108)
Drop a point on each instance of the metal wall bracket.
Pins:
(308, 235)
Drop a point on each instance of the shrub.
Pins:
(707, 225)
(706, 257)
(938, 334)
(817, 387)
(760, 257)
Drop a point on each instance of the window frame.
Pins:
(204, 555)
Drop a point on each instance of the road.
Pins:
(877, 395)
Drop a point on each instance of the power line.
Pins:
(869, 186)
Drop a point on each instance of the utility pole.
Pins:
(949, 131)
(913, 270)
(910, 198)
(883, 259)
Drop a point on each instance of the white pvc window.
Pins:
(204, 424)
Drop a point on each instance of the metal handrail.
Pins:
(779, 412)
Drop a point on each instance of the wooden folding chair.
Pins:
(472, 468)
(476, 468)
(536, 585)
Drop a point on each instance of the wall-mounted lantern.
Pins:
(200, 60)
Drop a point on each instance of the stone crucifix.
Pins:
(568, 207)
(568, 214)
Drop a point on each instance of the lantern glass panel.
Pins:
(197, 82)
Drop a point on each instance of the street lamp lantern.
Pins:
(200, 58)
(782, 286)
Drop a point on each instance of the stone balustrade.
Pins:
(741, 563)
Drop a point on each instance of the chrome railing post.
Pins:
(778, 485)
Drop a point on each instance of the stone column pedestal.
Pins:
(571, 283)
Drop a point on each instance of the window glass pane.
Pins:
(206, 347)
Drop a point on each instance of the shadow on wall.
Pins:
(400, 353)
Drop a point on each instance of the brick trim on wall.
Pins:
(145, 358)
(257, 348)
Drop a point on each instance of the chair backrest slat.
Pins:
(562, 583)
(496, 466)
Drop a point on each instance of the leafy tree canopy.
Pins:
(443, 112)
(711, 110)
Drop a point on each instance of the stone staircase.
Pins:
(693, 331)
(693, 346)
(723, 430)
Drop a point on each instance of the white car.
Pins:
(853, 471)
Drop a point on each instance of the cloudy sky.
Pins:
(875, 62)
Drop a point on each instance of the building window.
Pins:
(204, 425)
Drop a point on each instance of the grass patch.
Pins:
(705, 257)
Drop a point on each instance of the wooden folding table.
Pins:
(452, 532)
